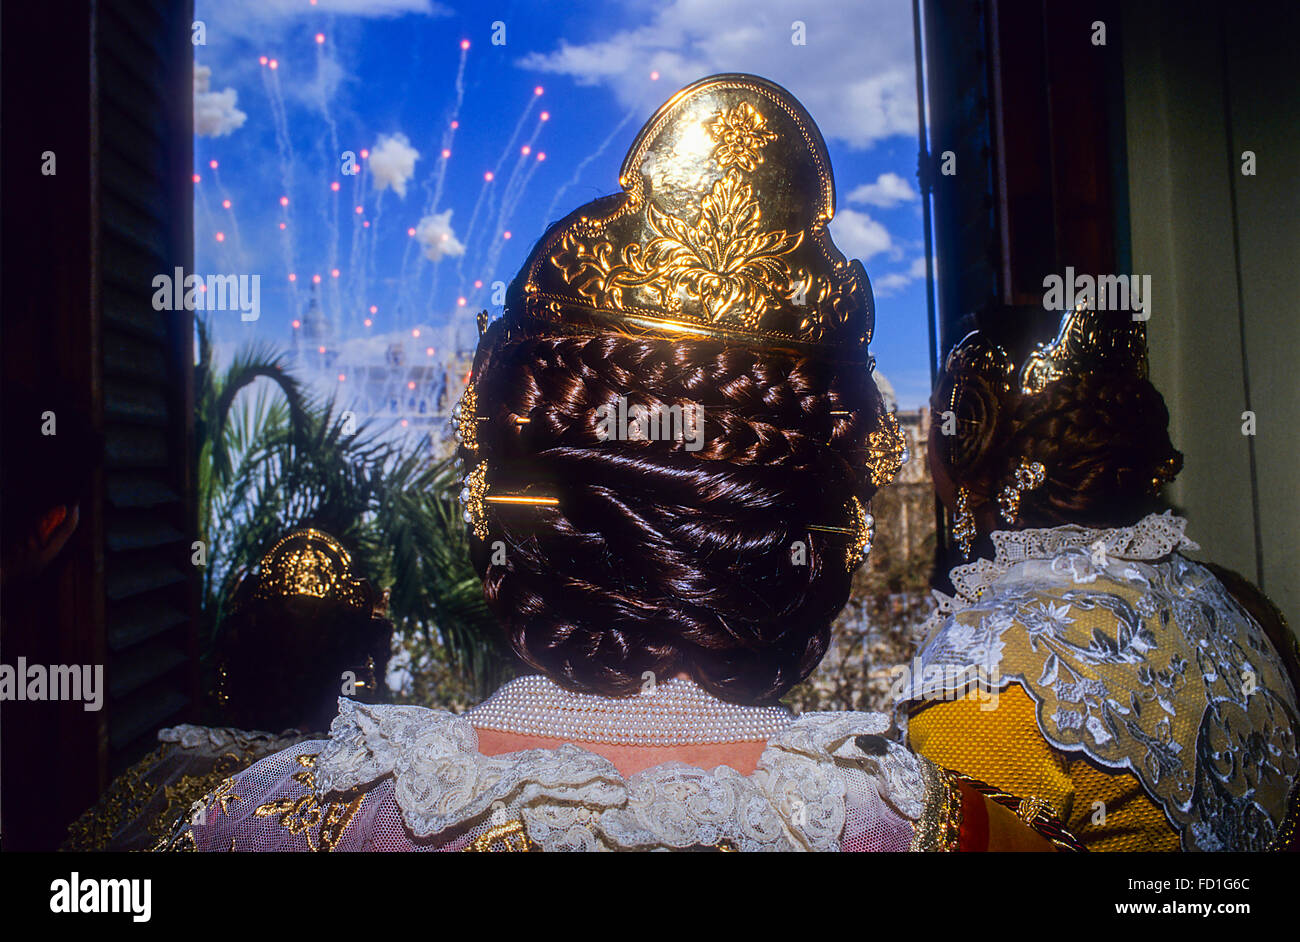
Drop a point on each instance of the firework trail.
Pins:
(473, 222)
(488, 179)
(332, 215)
(356, 276)
(583, 164)
(518, 179)
(284, 150)
(449, 133)
(433, 185)
(236, 241)
(496, 171)
(516, 187)
(369, 245)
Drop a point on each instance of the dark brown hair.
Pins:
(660, 558)
(284, 659)
(1102, 438)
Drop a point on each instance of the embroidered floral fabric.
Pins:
(139, 805)
(409, 778)
(1137, 657)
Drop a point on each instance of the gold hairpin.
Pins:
(963, 522)
(862, 529)
(888, 450)
(465, 418)
(475, 497)
(1028, 475)
(464, 415)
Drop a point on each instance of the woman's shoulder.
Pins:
(1093, 623)
(824, 779)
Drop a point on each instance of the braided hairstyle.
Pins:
(1103, 440)
(676, 554)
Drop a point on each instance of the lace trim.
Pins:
(1153, 537)
(572, 799)
(190, 736)
(1137, 657)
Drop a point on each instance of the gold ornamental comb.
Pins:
(720, 232)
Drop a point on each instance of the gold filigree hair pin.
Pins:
(465, 418)
(475, 497)
(861, 532)
(887, 450)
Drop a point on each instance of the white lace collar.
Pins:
(572, 799)
(1153, 537)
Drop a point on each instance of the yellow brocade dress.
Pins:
(1115, 679)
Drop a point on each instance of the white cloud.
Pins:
(858, 235)
(887, 285)
(434, 233)
(888, 191)
(320, 90)
(270, 26)
(215, 113)
(894, 282)
(392, 163)
(245, 10)
(855, 74)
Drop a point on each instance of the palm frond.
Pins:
(273, 457)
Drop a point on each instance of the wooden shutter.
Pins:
(144, 94)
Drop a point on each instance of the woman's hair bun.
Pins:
(676, 554)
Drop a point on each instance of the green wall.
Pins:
(1181, 130)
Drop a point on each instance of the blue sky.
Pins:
(382, 76)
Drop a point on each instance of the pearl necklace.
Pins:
(674, 713)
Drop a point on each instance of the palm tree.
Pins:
(421, 520)
(275, 458)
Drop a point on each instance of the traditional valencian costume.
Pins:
(1133, 694)
(141, 806)
(720, 233)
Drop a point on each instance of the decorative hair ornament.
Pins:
(465, 418)
(1166, 472)
(1028, 475)
(963, 522)
(887, 448)
(471, 495)
(311, 563)
(861, 531)
(475, 497)
(1086, 342)
(720, 232)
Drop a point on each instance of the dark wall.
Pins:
(1033, 113)
(107, 88)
